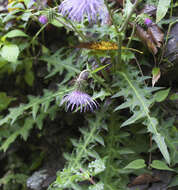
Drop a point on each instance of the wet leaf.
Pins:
(156, 34)
(149, 9)
(155, 75)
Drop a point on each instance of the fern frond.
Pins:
(139, 100)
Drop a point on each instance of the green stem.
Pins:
(123, 27)
(168, 32)
(132, 34)
(122, 30)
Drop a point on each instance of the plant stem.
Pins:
(122, 30)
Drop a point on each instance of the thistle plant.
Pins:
(117, 136)
(77, 9)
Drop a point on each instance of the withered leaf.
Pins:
(144, 179)
(103, 45)
(156, 34)
(149, 9)
(147, 39)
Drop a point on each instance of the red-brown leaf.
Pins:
(156, 34)
(144, 179)
(147, 39)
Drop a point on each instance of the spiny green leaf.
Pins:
(24, 131)
(162, 146)
(138, 100)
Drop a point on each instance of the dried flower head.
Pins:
(148, 22)
(43, 19)
(76, 9)
(76, 99)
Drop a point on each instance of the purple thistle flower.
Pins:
(76, 9)
(43, 19)
(148, 22)
(76, 99)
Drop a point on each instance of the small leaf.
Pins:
(161, 95)
(99, 69)
(35, 110)
(136, 164)
(174, 96)
(162, 9)
(29, 77)
(4, 100)
(100, 140)
(156, 75)
(15, 33)
(160, 165)
(10, 52)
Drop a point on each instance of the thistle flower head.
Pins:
(148, 22)
(76, 9)
(43, 19)
(76, 99)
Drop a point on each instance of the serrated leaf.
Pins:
(160, 165)
(100, 140)
(139, 100)
(162, 146)
(136, 164)
(163, 6)
(9, 140)
(102, 94)
(10, 52)
(24, 131)
(35, 108)
(161, 95)
(93, 154)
